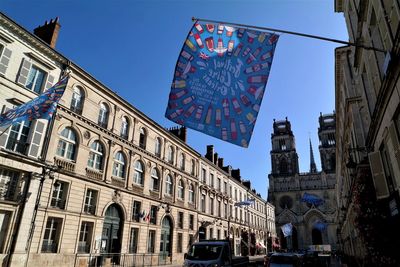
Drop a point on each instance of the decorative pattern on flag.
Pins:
(312, 199)
(41, 107)
(219, 81)
(287, 229)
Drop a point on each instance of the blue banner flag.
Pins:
(41, 107)
(219, 80)
(287, 229)
(244, 203)
(312, 199)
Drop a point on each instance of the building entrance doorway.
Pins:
(316, 237)
(166, 239)
(112, 229)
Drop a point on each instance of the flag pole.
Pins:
(292, 33)
(6, 129)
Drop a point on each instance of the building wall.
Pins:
(59, 225)
(367, 94)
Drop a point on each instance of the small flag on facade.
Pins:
(244, 203)
(41, 107)
(219, 80)
(142, 214)
(287, 229)
(320, 225)
(147, 217)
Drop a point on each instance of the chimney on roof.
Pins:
(228, 169)
(247, 184)
(49, 32)
(221, 162)
(210, 153)
(236, 174)
(179, 132)
(215, 158)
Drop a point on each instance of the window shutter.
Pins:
(378, 175)
(36, 138)
(396, 151)
(4, 135)
(24, 71)
(50, 81)
(4, 60)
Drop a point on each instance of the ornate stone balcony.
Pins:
(94, 174)
(64, 164)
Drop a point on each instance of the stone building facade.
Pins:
(102, 182)
(313, 224)
(368, 143)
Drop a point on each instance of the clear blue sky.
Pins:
(132, 47)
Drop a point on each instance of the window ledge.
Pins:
(6, 38)
(118, 181)
(40, 60)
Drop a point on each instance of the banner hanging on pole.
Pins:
(287, 229)
(41, 107)
(219, 80)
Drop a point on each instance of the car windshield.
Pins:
(282, 259)
(204, 252)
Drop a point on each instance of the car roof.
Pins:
(280, 254)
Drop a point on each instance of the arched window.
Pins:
(191, 193)
(124, 127)
(67, 144)
(119, 165)
(182, 161)
(181, 190)
(96, 156)
(142, 138)
(77, 100)
(103, 115)
(169, 185)
(138, 174)
(155, 180)
(170, 154)
(157, 150)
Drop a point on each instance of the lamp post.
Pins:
(248, 231)
(47, 172)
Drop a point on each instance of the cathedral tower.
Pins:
(327, 142)
(284, 158)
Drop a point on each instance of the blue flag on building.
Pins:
(320, 225)
(312, 199)
(287, 229)
(219, 80)
(244, 203)
(41, 107)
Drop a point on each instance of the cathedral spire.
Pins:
(313, 167)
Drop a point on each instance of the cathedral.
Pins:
(305, 201)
